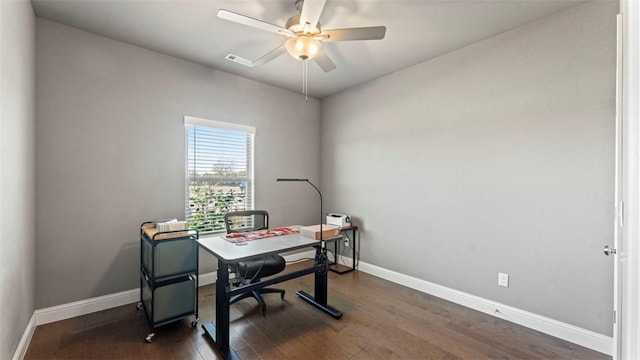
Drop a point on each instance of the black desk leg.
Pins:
(320, 286)
(219, 332)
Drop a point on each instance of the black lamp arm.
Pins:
(319, 193)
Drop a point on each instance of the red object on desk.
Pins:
(260, 234)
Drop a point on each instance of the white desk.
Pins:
(230, 252)
(227, 253)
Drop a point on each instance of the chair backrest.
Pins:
(243, 221)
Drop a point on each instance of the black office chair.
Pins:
(250, 271)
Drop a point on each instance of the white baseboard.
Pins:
(207, 278)
(88, 306)
(23, 345)
(297, 256)
(574, 334)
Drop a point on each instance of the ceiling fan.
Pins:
(304, 33)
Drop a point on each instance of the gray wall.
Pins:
(498, 157)
(17, 171)
(111, 153)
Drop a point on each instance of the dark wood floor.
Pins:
(381, 320)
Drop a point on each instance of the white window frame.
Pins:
(250, 188)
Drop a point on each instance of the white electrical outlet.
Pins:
(346, 241)
(503, 279)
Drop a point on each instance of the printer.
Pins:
(341, 220)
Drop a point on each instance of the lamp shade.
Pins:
(303, 47)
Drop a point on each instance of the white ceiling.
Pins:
(417, 30)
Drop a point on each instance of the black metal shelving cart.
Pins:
(168, 275)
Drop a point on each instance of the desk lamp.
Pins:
(319, 193)
(321, 267)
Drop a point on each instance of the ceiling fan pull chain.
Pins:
(305, 80)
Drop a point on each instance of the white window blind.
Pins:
(219, 174)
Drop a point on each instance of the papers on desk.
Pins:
(260, 234)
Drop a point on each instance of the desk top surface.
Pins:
(231, 252)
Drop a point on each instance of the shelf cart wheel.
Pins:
(149, 337)
(194, 323)
(139, 306)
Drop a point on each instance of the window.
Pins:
(219, 174)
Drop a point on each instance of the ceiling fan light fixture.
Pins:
(303, 47)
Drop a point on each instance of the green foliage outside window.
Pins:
(209, 203)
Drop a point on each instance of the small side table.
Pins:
(353, 245)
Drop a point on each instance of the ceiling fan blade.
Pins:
(363, 33)
(258, 24)
(310, 14)
(270, 56)
(324, 61)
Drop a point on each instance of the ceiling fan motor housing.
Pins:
(294, 25)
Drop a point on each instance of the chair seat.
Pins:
(260, 267)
